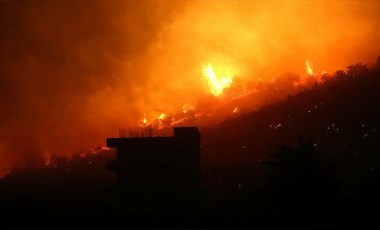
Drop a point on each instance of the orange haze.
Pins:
(73, 72)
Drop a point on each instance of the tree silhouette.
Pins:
(357, 70)
(300, 183)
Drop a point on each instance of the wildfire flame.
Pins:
(309, 70)
(162, 116)
(186, 108)
(216, 83)
(219, 78)
(170, 119)
(143, 122)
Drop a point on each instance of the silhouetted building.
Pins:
(159, 170)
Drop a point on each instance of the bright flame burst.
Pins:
(162, 116)
(309, 70)
(216, 83)
(143, 122)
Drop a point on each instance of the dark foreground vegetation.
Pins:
(312, 160)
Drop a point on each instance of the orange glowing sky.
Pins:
(73, 72)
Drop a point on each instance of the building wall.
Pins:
(163, 169)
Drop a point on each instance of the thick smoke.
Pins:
(73, 72)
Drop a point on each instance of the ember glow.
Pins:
(102, 65)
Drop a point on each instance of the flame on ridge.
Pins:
(309, 70)
(216, 83)
(219, 78)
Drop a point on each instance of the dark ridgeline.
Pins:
(158, 173)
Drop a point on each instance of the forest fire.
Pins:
(258, 111)
(218, 82)
(130, 64)
(309, 70)
(226, 96)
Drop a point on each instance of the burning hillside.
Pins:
(228, 97)
(74, 72)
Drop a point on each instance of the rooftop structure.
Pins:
(159, 169)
